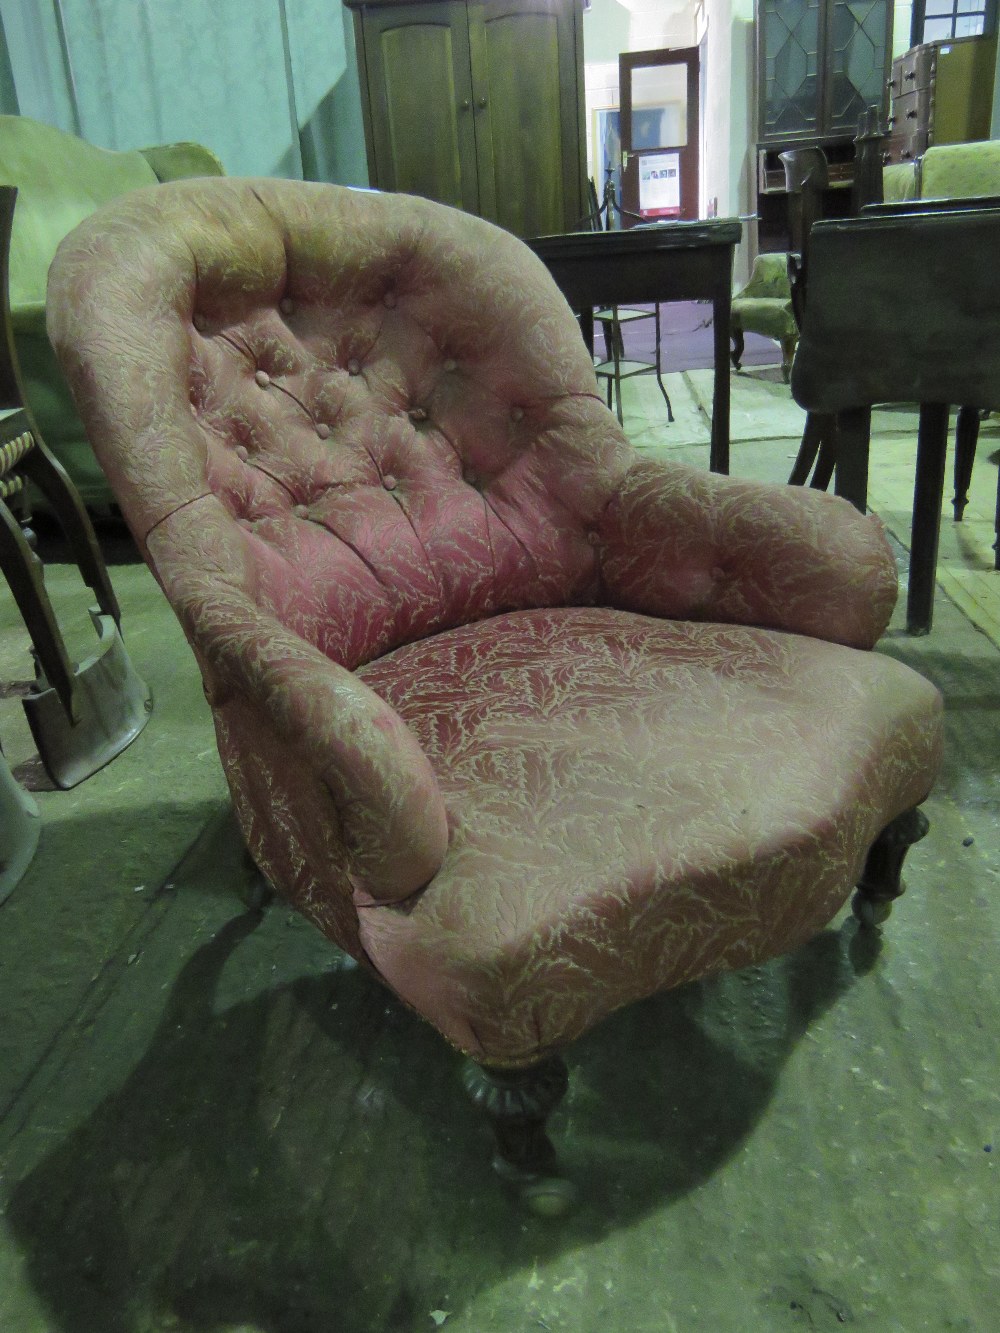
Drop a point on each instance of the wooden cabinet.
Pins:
(478, 104)
(942, 92)
(820, 65)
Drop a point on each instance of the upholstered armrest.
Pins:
(390, 808)
(691, 545)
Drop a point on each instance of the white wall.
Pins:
(728, 138)
(613, 26)
(903, 12)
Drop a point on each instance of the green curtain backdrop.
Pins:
(270, 85)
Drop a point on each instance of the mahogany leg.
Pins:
(854, 428)
(966, 439)
(518, 1103)
(932, 441)
(826, 463)
(881, 880)
(812, 437)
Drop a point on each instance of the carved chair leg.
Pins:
(881, 880)
(518, 1102)
(812, 438)
(966, 439)
(737, 349)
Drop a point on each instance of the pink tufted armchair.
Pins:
(529, 724)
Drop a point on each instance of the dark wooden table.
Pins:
(670, 261)
(903, 307)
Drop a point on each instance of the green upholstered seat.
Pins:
(60, 180)
(764, 306)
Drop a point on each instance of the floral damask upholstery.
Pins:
(530, 724)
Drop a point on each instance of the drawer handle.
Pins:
(911, 115)
(910, 74)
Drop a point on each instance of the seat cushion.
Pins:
(633, 804)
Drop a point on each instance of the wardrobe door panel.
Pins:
(420, 88)
(525, 93)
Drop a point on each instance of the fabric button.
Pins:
(242, 452)
(286, 305)
(593, 538)
(718, 573)
(322, 430)
(389, 482)
(353, 367)
(516, 413)
(301, 511)
(450, 365)
(199, 321)
(389, 299)
(417, 413)
(262, 378)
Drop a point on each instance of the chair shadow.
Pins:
(304, 1161)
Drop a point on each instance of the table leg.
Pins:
(928, 492)
(586, 320)
(718, 458)
(853, 438)
(966, 439)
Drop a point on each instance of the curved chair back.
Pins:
(305, 388)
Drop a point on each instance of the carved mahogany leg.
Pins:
(881, 880)
(518, 1102)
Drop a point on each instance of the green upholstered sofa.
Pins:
(946, 171)
(60, 180)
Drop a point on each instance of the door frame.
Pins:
(689, 154)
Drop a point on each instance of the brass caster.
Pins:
(870, 912)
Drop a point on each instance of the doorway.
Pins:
(659, 128)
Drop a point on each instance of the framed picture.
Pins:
(660, 185)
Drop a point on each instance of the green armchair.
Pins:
(764, 306)
(61, 180)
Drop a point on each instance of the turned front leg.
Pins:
(518, 1103)
(881, 880)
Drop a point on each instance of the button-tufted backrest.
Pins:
(374, 413)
